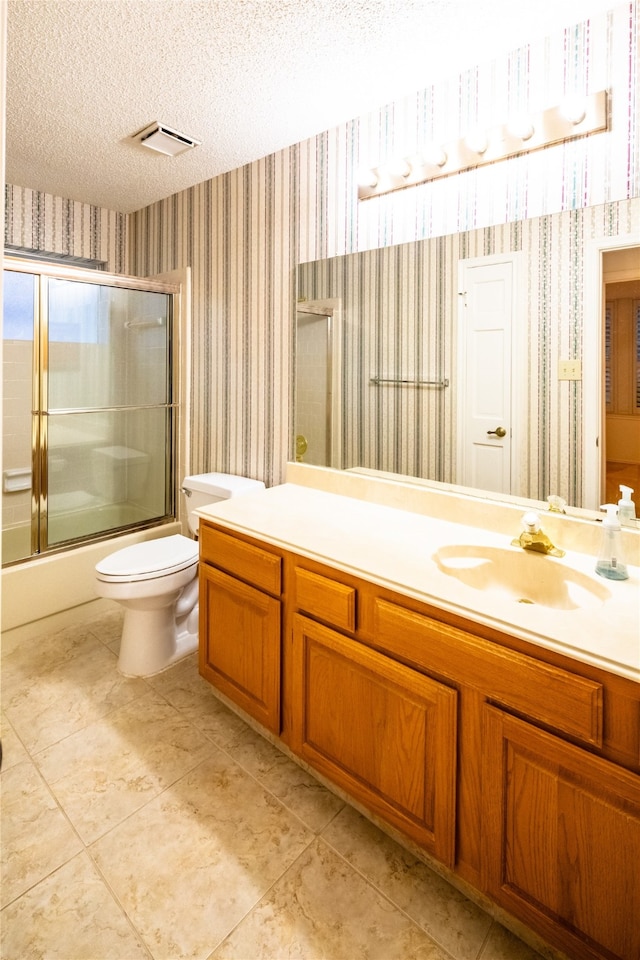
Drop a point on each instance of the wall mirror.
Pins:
(486, 359)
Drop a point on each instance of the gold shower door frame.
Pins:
(42, 415)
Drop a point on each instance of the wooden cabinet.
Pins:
(240, 625)
(325, 599)
(516, 767)
(383, 732)
(561, 839)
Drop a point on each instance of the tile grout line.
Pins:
(266, 893)
(114, 896)
(319, 836)
(186, 717)
(370, 882)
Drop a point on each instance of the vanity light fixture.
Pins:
(477, 141)
(368, 179)
(432, 155)
(398, 167)
(574, 117)
(521, 127)
(573, 108)
(163, 139)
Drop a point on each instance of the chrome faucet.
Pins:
(533, 538)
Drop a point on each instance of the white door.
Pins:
(486, 315)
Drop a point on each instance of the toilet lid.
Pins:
(152, 558)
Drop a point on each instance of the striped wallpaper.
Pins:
(39, 221)
(238, 233)
(244, 233)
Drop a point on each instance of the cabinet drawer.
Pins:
(244, 560)
(327, 600)
(550, 695)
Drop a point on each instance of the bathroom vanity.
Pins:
(500, 734)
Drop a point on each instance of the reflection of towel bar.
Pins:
(142, 322)
(415, 383)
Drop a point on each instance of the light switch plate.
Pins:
(570, 370)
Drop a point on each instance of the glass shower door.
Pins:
(107, 420)
(88, 407)
(19, 524)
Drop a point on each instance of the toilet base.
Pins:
(153, 640)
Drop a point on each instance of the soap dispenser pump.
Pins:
(626, 506)
(610, 563)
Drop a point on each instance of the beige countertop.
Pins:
(599, 619)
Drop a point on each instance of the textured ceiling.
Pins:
(246, 77)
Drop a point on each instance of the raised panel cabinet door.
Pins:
(383, 732)
(561, 839)
(240, 644)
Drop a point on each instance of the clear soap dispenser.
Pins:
(626, 506)
(610, 563)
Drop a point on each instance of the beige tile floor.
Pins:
(144, 819)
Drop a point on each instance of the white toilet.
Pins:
(156, 581)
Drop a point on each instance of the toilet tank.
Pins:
(204, 488)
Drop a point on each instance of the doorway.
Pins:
(318, 384)
(313, 389)
(610, 261)
(621, 277)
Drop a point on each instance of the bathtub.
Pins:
(51, 584)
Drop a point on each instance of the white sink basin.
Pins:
(519, 576)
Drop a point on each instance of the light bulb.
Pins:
(433, 155)
(477, 141)
(573, 108)
(367, 177)
(398, 167)
(520, 126)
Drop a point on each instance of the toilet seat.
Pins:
(149, 560)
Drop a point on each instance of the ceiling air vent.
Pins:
(165, 140)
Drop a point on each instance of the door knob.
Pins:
(301, 447)
(498, 432)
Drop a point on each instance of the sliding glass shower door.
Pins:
(20, 295)
(99, 454)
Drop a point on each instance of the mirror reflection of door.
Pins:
(313, 389)
(486, 320)
(621, 275)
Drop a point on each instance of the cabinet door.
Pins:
(240, 644)
(381, 731)
(561, 839)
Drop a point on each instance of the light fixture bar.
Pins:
(555, 125)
